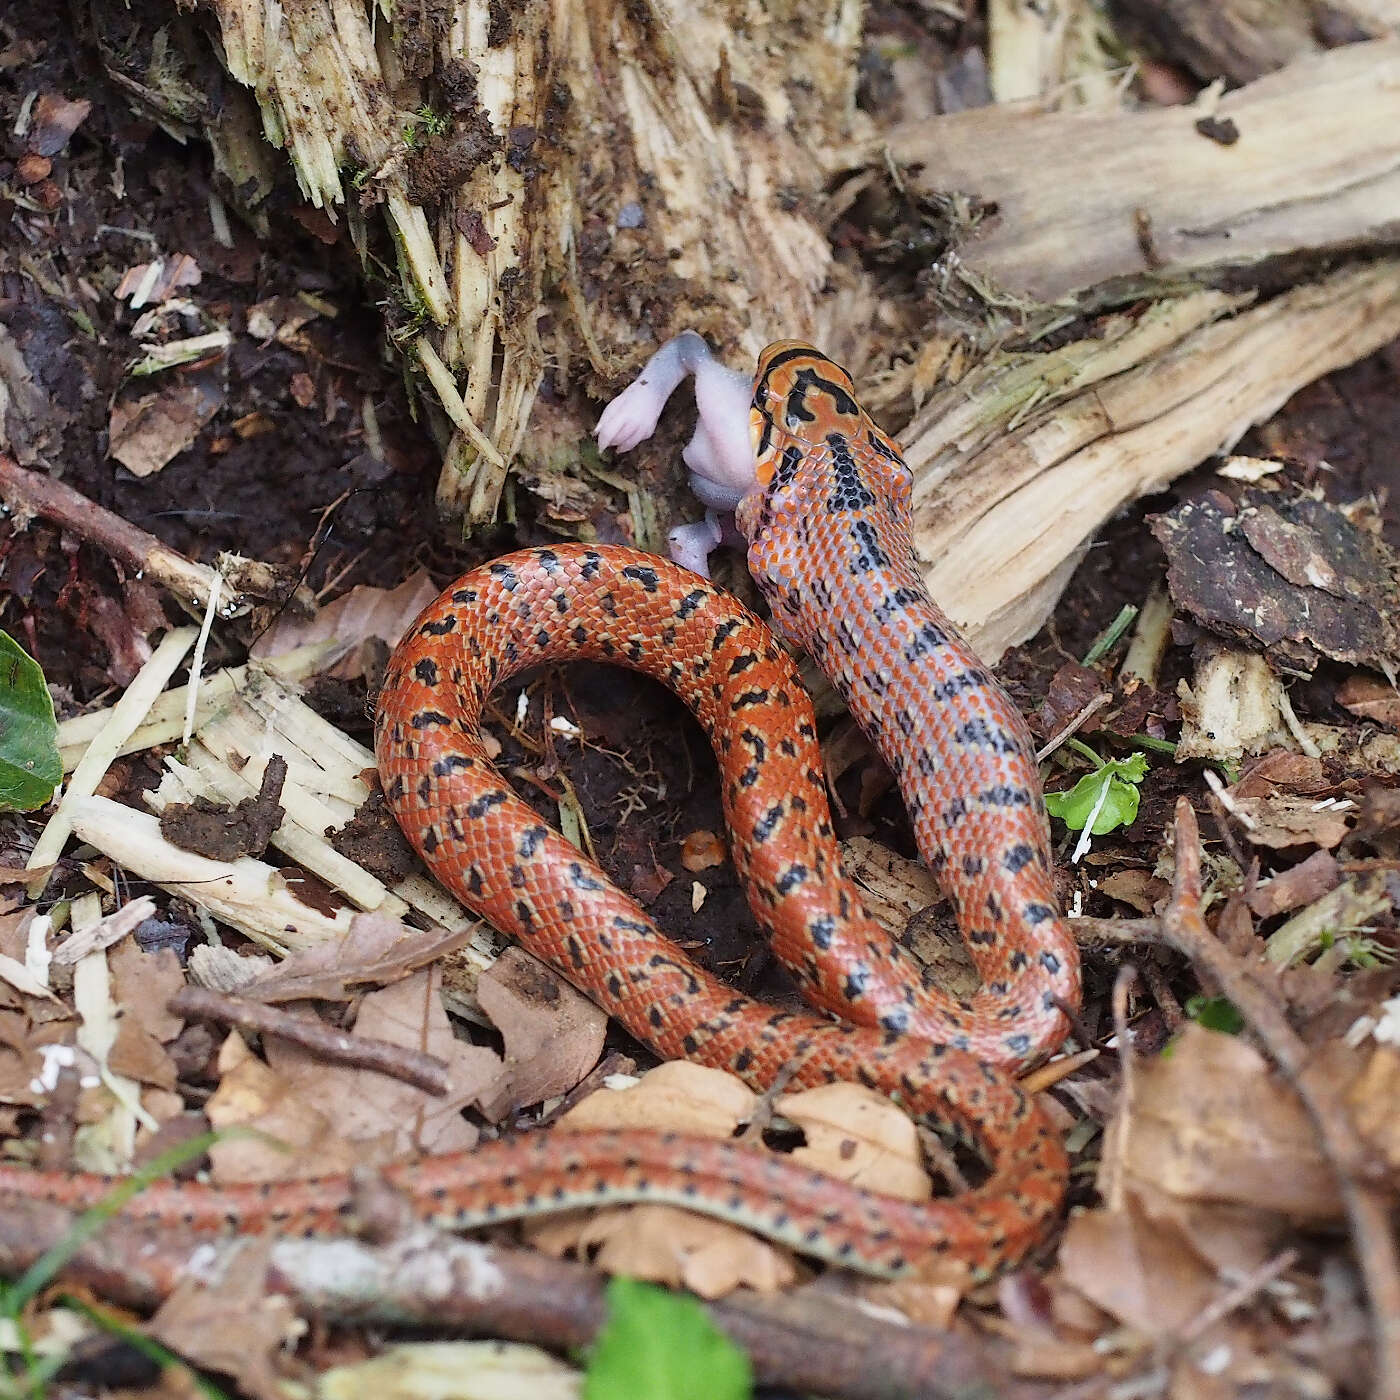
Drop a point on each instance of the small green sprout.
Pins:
(424, 125)
(1104, 799)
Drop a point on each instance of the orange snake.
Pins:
(826, 510)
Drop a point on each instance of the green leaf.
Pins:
(30, 768)
(1215, 1014)
(663, 1346)
(1109, 795)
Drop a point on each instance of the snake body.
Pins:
(828, 526)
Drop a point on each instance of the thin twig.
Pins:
(1234, 1298)
(940, 1157)
(1076, 724)
(1127, 1060)
(611, 1063)
(764, 1109)
(425, 1072)
(28, 494)
(1366, 1204)
(1120, 932)
(1046, 1076)
(1223, 808)
(1161, 991)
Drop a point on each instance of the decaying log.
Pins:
(1017, 466)
(1098, 207)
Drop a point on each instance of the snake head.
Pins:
(799, 398)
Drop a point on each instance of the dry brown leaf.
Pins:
(32, 1057)
(671, 1246)
(1372, 1099)
(398, 1119)
(232, 1324)
(1281, 820)
(159, 280)
(900, 894)
(1208, 1121)
(128, 649)
(362, 614)
(647, 879)
(137, 1054)
(1138, 889)
(919, 1298)
(20, 988)
(1300, 884)
(303, 389)
(1072, 689)
(1369, 697)
(375, 949)
(290, 1137)
(281, 318)
(894, 887)
(553, 1034)
(54, 119)
(677, 1097)
(702, 850)
(146, 433)
(1231, 1240)
(1379, 817)
(1134, 1270)
(1283, 770)
(176, 1125)
(143, 984)
(858, 1136)
(252, 425)
(846, 745)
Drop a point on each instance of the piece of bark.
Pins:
(1301, 576)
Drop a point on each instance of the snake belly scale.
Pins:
(827, 523)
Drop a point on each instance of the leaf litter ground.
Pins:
(1208, 1251)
